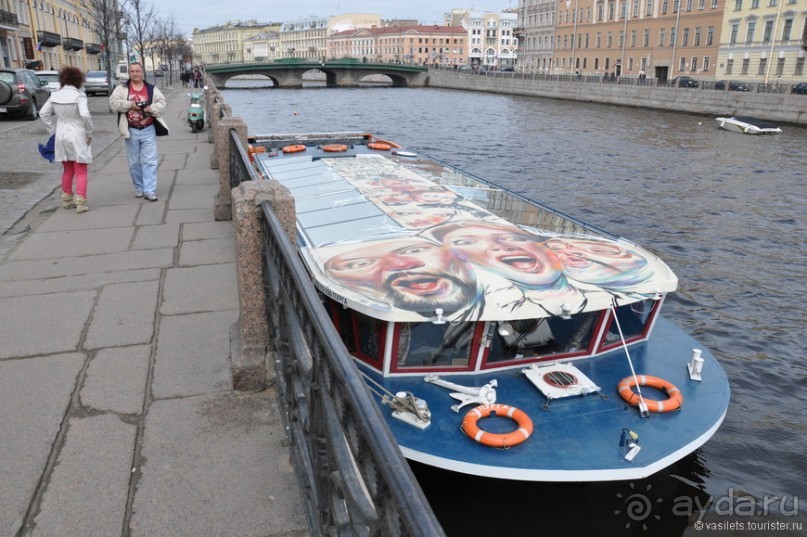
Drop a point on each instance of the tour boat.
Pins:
(747, 125)
(501, 338)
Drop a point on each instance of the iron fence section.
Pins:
(353, 477)
(352, 474)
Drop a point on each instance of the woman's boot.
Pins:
(67, 200)
(81, 204)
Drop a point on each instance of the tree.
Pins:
(105, 19)
(141, 18)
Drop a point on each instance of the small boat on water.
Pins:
(502, 338)
(747, 125)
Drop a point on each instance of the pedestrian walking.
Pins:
(140, 106)
(197, 79)
(66, 115)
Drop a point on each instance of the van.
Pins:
(122, 71)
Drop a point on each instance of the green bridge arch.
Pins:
(288, 73)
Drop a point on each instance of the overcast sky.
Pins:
(190, 14)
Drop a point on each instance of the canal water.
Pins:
(724, 210)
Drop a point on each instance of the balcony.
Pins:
(92, 48)
(48, 39)
(8, 19)
(70, 43)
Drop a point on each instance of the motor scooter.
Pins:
(196, 110)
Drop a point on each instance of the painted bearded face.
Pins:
(508, 251)
(414, 274)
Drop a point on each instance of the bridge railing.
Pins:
(352, 475)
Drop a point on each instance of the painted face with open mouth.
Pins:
(599, 261)
(508, 251)
(413, 273)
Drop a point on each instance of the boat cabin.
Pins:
(428, 269)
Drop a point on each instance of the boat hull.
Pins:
(578, 438)
(747, 125)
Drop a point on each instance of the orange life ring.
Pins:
(334, 148)
(673, 402)
(293, 148)
(379, 145)
(469, 425)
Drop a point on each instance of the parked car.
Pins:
(96, 82)
(685, 82)
(508, 69)
(733, 85)
(21, 92)
(51, 77)
(158, 72)
(800, 88)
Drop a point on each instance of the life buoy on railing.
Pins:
(293, 148)
(673, 402)
(334, 148)
(471, 428)
(381, 146)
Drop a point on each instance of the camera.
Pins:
(142, 104)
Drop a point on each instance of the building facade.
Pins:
(763, 41)
(419, 45)
(48, 34)
(225, 43)
(536, 31)
(491, 37)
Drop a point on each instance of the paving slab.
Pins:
(207, 252)
(192, 358)
(74, 243)
(86, 495)
(116, 380)
(157, 236)
(192, 197)
(173, 161)
(75, 283)
(94, 264)
(34, 396)
(124, 315)
(152, 212)
(96, 218)
(43, 324)
(198, 289)
(246, 485)
(190, 215)
(207, 230)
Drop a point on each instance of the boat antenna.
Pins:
(643, 411)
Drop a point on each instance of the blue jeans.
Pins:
(141, 153)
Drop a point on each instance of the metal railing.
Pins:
(352, 475)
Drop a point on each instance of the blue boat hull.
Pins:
(578, 438)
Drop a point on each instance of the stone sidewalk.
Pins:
(118, 415)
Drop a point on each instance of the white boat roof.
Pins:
(412, 239)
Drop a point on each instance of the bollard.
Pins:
(220, 110)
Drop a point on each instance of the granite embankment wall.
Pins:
(777, 107)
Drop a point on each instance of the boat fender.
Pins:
(293, 148)
(471, 428)
(673, 401)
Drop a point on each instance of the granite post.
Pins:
(220, 110)
(222, 209)
(249, 336)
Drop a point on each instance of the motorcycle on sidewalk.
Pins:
(196, 110)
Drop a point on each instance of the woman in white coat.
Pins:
(66, 114)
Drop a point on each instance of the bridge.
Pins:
(288, 73)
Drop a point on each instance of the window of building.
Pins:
(621, 39)
(729, 66)
(767, 34)
(682, 65)
(754, 4)
(693, 66)
(697, 39)
(689, 5)
(609, 39)
(633, 38)
(786, 29)
(664, 7)
(648, 10)
(701, 4)
(599, 39)
(799, 70)
(749, 36)
(635, 8)
(780, 67)
(763, 66)
(735, 30)
(685, 37)
(672, 36)
(646, 41)
(746, 65)
(676, 5)
(706, 64)
(661, 37)
(710, 33)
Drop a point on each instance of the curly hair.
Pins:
(71, 76)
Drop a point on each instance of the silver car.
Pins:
(51, 77)
(96, 82)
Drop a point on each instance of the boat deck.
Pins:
(578, 438)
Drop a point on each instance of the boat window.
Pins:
(633, 319)
(363, 336)
(549, 336)
(434, 345)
